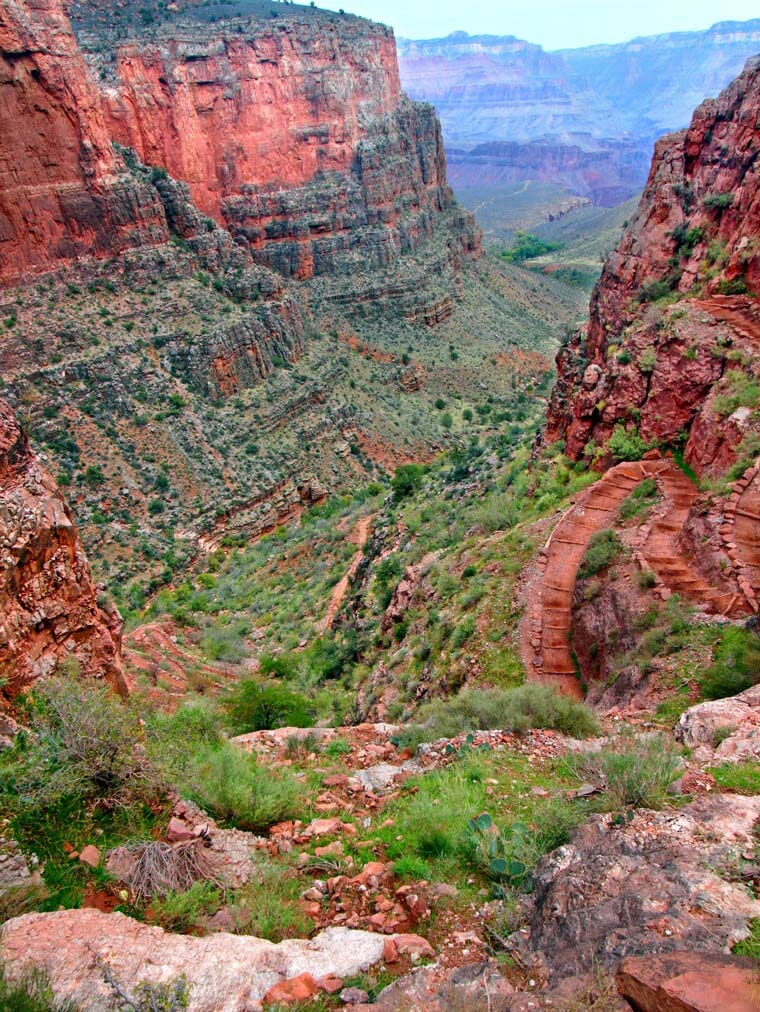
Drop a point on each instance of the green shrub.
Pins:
(184, 911)
(230, 785)
(636, 772)
(406, 480)
(517, 710)
(32, 993)
(642, 497)
(736, 664)
(743, 392)
(624, 445)
(411, 868)
(173, 737)
(257, 706)
(718, 201)
(648, 360)
(85, 743)
(604, 548)
(336, 748)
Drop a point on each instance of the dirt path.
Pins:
(546, 629)
(738, 311)
(359, 537)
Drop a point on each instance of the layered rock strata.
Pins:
(675, 310)
(49, 610)
(64, 191)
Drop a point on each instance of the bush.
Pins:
(184, 911)
(625, 445)
(635, 773)
(718, 201)
(736, 664)
(256, 706)
(229, 784)
(743, 392)
(643, 496)
(84, 744)
(517, 709)
(406, 480)
(604, 548)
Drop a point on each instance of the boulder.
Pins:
(224, 973)
(697, 726)
(690, 982)
(644, 887)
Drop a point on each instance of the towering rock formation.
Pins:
(48, 602)
(671, 349)
(290, 132)
(63, 190)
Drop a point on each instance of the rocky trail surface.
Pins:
(545, 639)
(651, 891)
(359, 537)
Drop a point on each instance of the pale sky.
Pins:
(554, 24)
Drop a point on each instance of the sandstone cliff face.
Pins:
(63, 192)
(48, 602)
(292, 135)
(275, 104)
(674, 322)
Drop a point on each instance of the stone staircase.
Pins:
(547, 633)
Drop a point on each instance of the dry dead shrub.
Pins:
(159, 868)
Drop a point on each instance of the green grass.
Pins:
(429, 825)
(515, 710)
(231, 786)
(741, 778)
(635, 772)
(751, 945)
(604, 548)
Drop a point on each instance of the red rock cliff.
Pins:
(674, 318)
(48, 603)
(274, 104)
(62, 191)
(291, 133)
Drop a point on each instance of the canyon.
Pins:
(582, 119)
(435, 679)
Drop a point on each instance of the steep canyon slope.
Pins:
(284, 288)
(49, 610)
(673, 325)
(663, 383)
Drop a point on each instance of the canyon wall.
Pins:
(48, 603)
(511, 111)
(290, 132)
(63, 189)
(272, 105)
(674, 320)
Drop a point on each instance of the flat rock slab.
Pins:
(690, 982)
(224, 973)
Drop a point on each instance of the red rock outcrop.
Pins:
(274, 104)
(63, 189)
(48, 602)
(292, 134)
(675, 309)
